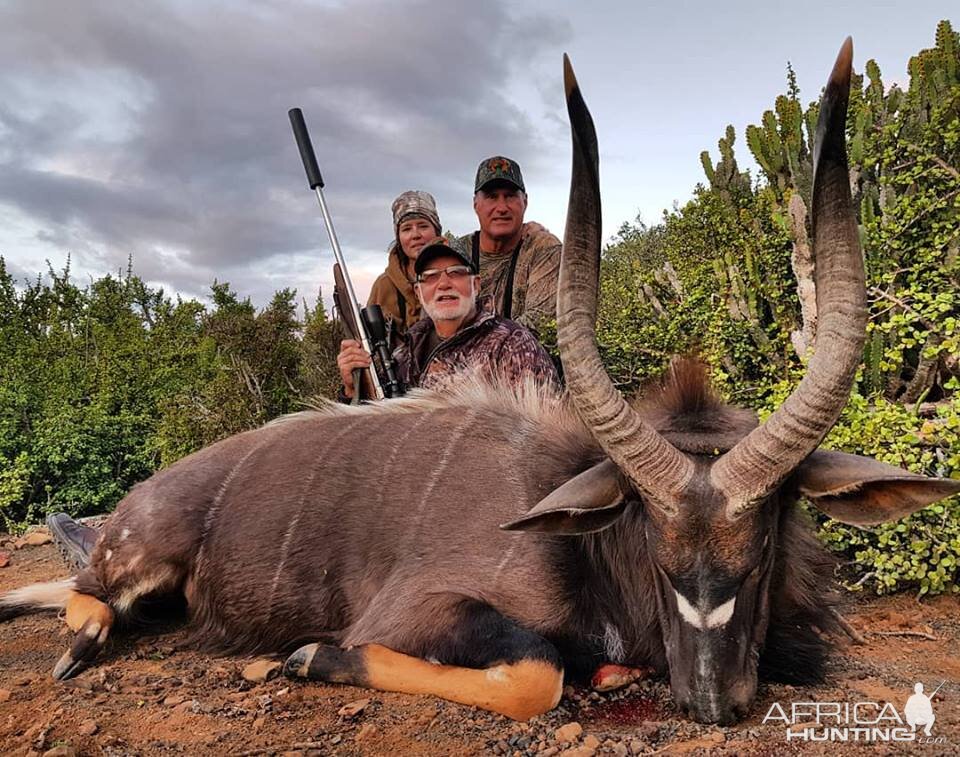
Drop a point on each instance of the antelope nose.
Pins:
(710, 711)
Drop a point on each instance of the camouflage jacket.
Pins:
(490, 345)
(535, 277)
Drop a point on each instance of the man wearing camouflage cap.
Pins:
(459, 333)
(518, 266)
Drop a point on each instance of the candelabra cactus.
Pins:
(725, 176)
(779, 146)
(933, 72)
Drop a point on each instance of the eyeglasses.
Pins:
(455, 273)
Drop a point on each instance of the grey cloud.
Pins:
(19, 274)
(145, 127)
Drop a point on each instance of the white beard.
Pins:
(448, 314)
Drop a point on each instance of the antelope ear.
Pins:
(864, 492)
(588, 502)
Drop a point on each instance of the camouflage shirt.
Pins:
(535, 277)
(490, 345)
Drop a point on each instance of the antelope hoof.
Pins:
(297, 665)
(86, 645)
(612, 677)
(325, 662)
(67, 667)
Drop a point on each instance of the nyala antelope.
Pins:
(477, 545)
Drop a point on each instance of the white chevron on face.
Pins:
(703, 618)
(687, 611)
(721, 614)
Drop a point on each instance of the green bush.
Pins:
(101, 386)
(923, 549)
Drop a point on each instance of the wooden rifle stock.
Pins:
(363, 383)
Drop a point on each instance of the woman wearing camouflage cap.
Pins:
(415, 222)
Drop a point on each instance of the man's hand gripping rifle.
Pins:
(366, 325)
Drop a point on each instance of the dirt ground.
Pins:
(149, 697)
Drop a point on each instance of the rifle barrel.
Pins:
(300, 133)
(316, 183)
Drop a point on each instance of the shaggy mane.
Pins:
(543, 404)
(683, 406)
(683, 389)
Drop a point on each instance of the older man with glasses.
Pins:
(459, 332)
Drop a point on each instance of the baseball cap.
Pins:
(440, 247)
(499, 168)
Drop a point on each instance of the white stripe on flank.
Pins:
(439, 469)
(301, 508)
(215, 505)
(386, 470)
(503, 562)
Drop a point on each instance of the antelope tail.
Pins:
(52, 595)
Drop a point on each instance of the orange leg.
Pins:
(92, 620)
(519, 690)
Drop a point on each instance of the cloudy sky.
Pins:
(159, 130)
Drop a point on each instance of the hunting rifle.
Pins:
(366, 325)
